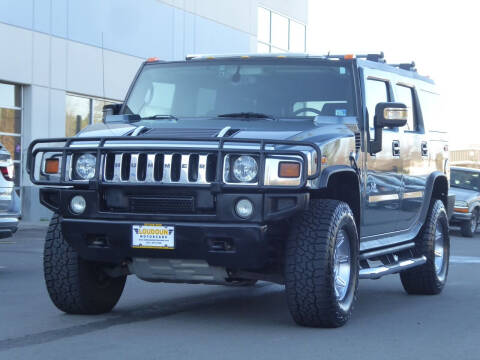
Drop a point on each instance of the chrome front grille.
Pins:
(159, 168)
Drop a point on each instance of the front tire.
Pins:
(434, 243)
(469, 228)
(76, 286)
(321, 268)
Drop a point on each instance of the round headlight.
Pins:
(244, 208)
(78, 204)
(245, 168)
(85, 166)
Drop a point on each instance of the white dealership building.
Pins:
(62, 60)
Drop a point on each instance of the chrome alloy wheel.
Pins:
(342, 264)
(439, 248)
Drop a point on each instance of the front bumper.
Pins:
(216, 234)
(458, 217)
(110, 241)
(8, 225)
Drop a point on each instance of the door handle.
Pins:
(396, 148)
(424, 147)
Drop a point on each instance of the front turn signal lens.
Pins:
(52, 166)
(289, 170)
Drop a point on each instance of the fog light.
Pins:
(244, 208)
(78, 204)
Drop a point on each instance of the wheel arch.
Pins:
(437, 188)
(341, 182)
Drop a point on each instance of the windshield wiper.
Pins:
(160, 117)
(248, 115)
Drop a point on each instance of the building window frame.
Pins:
(91, 108)
(269, 44)
(18, 162)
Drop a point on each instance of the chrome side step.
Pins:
(378, 272)
(386, 251)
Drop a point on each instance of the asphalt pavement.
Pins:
(170, 321)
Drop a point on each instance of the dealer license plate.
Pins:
(153, 236)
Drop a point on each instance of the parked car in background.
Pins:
(9, 200)
(465, 184)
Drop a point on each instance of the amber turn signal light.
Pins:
(289, 170)
(461, 210)
(52, 166)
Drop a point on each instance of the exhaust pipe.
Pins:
(378, 272)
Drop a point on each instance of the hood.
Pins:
(463, 194)
(105, 130)
(300, 130)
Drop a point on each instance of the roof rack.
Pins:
(372, 57)
(406, 66)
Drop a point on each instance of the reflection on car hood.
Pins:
(299, 129)
(102, 129)
(464, 194)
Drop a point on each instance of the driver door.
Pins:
(384, 169)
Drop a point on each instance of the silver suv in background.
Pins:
(465, 184)
(9, 200)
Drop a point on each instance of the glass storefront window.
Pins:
(11, 126)
(263, 30)
(10, 96)
(297, 37)
(13, 144)
(10, 121)
(277, 33)
(82, 111)
(263, 48)
(77, 111)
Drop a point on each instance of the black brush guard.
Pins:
(99, 148)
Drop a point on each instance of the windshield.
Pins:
(465, 180)
(290, 89)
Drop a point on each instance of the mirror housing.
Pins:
(111, 109)
(390, 115)
(387, 114)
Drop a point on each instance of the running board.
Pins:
(378, 272)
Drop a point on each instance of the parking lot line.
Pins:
(465, 259)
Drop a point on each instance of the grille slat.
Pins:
(150, 172)
(133, 168)
(159, 168)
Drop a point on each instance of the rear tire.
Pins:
(469, 228)
(434, 243)
(76, 286)
(315, 263)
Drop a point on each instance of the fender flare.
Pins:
(333, 170)
(433, 179)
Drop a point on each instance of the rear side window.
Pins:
(376, 92)
(404, 94)
(431, 111)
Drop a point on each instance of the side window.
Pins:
(376, 92)
(404, 94)
(431, 111)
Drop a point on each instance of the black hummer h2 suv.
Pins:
(308, 171)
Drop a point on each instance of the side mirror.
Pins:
(111, 109)
(387, 115)
(390, 115)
